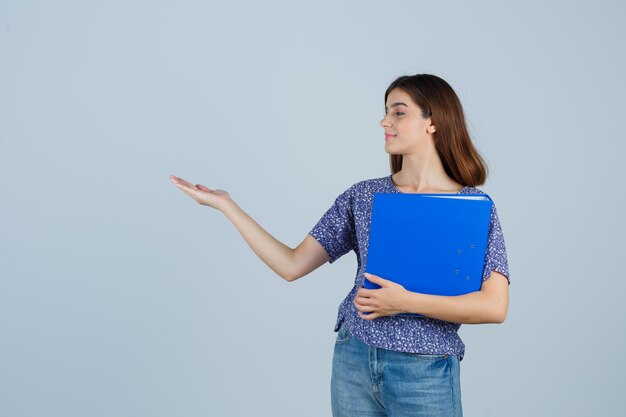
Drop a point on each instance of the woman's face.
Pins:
(403, 119)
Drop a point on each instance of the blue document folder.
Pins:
(429, 243)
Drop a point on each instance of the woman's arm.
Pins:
(290, 264)
(489, 305)
(275, 254)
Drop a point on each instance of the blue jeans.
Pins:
(370, 381)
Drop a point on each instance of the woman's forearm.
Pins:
(471, 308)
(275, 254)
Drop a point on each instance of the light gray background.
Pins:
(120, 296)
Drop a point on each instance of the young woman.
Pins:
(385, 364)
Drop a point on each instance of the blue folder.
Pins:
(429, 243)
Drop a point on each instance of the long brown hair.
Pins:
(437, 99)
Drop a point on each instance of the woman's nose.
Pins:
(384, 122)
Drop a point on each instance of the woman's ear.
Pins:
(431, 127)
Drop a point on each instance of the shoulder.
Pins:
(473, 190)
(370, 184)
(478, 191)
(363, 190)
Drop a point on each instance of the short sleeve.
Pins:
(495, 257)
(335, 230)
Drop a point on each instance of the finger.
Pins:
(203, 188)
(375, 278)
(186, 188)
(181, 181)
(363, 301)
(370, 316)
(364, 292)
(183, 188)
(187, 191)
(365, 309)
(371, 276)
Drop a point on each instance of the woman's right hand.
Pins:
(218, 199)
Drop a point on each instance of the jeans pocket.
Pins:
(343, 335)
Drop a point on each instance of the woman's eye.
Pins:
(398, 113)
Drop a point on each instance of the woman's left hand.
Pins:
(385, 301)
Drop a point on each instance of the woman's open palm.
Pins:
(203, 195)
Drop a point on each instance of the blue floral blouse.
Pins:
(345, 227)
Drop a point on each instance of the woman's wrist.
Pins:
(412, 302)
(229, 207)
